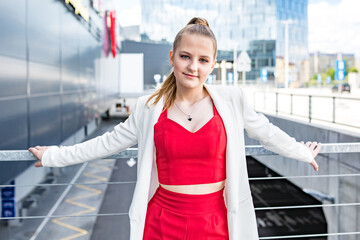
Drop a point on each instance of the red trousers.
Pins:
(173, 216)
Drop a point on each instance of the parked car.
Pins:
(345, 87)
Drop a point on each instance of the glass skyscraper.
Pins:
(255, 26)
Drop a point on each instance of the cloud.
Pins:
(131, 16)
(335, 28)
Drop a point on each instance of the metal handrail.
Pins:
(310, 116)
(254, 150)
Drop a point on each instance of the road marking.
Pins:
(75, 200)
(56, 205)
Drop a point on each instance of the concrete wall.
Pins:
(343, 189)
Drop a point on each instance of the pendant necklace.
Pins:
(189, 118)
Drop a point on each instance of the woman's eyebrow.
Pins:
(203, 56)
(185, 52)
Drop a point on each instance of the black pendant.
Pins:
(189, 118)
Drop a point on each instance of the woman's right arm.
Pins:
(123, 136)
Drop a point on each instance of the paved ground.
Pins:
(82, 199)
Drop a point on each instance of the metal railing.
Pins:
(332, 107)
(255, 150)
(24, 155)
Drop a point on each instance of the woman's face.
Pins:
(193, 60)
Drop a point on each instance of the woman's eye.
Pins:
(203, 60)
(184, 56)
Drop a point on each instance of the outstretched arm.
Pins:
(274, 139)
(123, 136)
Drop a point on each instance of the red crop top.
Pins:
(185, 158)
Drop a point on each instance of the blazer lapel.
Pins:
(222, 106)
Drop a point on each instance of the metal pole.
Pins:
(291, 104)
(223, 72)
(309, 108)
(334, 109)
(286, 54)
(235, 67)
(277, 103)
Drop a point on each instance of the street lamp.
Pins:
(286, 23)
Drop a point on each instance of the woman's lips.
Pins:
(189, 75)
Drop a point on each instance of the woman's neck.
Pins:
(191, 95)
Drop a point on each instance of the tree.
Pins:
(353, 69)
(331, 73)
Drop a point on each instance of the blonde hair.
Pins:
(168, 88)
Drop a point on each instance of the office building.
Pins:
(245, 25)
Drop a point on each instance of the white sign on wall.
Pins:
(131, 73)
(243, 62)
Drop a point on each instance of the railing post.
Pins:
(334, 98)
(309, 108)
(254, 99)
(277, 103)
(264, 96)
(291, 102)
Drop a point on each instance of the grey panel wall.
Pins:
(50, 85)
(12, 28)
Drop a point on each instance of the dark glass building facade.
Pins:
(255, 26)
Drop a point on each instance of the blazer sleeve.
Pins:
(123, 136)
(271, 137)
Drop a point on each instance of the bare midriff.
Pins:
(196, 188)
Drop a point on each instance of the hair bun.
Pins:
(197, 20)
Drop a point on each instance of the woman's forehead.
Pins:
(195, 43)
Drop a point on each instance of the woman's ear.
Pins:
(171, 58)
(213, 65)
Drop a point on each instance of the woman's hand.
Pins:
(38, 153)
(314, 148)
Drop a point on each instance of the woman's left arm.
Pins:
(274, 139)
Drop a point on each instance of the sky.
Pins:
(334, 25)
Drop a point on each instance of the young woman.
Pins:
(191, 150)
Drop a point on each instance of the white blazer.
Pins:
(236, 114)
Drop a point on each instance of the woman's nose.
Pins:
(192, 66)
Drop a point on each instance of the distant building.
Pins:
(322, 62)
(130, 33)
(254, 26)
